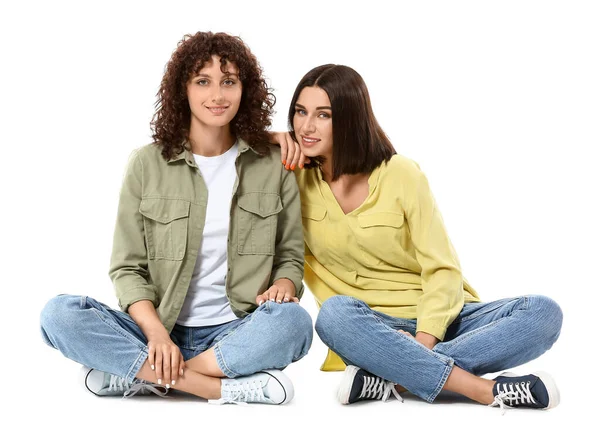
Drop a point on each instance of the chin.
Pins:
(311, 152)
(217, 122)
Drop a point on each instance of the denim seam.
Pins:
(119, 331)
(137, 365)
(481, 313)
(222, 364)
(463, 337)
(442, 382)
(441, 357)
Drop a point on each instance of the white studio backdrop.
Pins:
(498, 101)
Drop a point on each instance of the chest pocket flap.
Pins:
(164, 210)
(314, 212)
(381, 219)
(260, 203)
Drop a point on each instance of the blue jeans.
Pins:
(484, 338)
(91, 333)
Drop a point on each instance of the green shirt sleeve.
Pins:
(129, 265)
(443, 296)
(289, 245)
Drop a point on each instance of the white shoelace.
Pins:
(377, 388)
(241, 393)
(144, 387)
(510, 392)
(118, 384)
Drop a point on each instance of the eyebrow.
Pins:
(318, 108)
(226, 74)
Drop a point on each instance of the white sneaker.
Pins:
(269, 386)
(104, 384)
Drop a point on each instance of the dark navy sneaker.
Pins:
(358, 384)
(537, 390)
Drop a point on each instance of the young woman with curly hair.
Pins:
(207, 258)
(394, 304)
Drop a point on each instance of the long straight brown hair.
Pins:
(359, 143)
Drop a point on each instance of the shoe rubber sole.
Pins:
(345, 387)
(285, 382)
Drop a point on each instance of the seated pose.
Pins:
(393, 303)
(207, 259)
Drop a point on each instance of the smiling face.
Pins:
(312, 123)
(214, 96)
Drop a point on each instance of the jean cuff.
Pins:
(137, 365)
(440, 385)
(221, 362)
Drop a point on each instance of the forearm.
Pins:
(146, 317)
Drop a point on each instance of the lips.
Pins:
(309, 141)
(217, 110)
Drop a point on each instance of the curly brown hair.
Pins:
(171, 121)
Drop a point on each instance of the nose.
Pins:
(217, 96)
(308, 126)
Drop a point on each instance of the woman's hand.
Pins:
(165, 359)
(291, 155)
(164, 356)
(427, 340)
(282, 290)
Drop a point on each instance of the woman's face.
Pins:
(214, 96)
(312, 123)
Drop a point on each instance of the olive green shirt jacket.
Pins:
(160, 221)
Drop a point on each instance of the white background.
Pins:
(499, 102)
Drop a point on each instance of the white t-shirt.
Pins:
(206, 302)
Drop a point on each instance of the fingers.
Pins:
(159, 366)
(276, 294)
(279, 294)
(291, 150)
(175, 357)
(151, 356)
(181, 365)
(296, 157)
(261, 299)
(166, 367)
(303, 160)
(284, 146)
(408, 334)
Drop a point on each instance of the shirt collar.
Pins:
(188, 156)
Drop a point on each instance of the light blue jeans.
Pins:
(93, 334)
(484, 338)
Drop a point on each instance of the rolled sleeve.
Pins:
(129, 264)
(441, 277)
(289, 245)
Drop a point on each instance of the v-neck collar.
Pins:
(330, 197)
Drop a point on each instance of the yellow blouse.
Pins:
(392, 252)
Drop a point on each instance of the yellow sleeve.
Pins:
(443, 296)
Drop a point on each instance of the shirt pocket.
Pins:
(313, 224)
(165, 227)
(257, 222)
(380, 235)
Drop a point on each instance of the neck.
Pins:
(346, 181)
(210, 141)
(327, 169)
